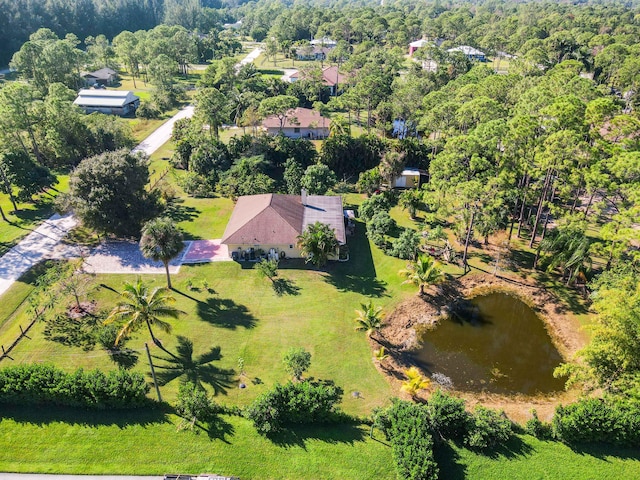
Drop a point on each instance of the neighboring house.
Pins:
(299, 123)
(410, 178)
(270, 224)
(331, 78)
(233, 26)
(114, 102)
(104, 76)
(469, 52)
(312, 52)
(413, 46)
(324, 42)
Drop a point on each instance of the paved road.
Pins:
(33, 248)
(163, 133)
(255, 53)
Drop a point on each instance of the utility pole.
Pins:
(153, 372)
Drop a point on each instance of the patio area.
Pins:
(201, 251)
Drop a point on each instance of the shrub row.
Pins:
(596, 420)
(291, 403)
(414, 430)
(38, 384)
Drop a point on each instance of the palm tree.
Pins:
(317, 242)
(369, 319)
(380, 354)
(423, 271)
(140, 307)
(161, 241)
(414, 382)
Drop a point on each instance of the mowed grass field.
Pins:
(242, 315)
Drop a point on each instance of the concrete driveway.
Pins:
(35, 247)
(163, 133)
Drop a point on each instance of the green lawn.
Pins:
(526, 458)
(242, 314)
(146, 443)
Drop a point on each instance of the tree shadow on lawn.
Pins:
(222, 312)
(448, 461)
(145, 416)
(298, 435)
(603, 451)
(198, 369)
(284, 286)
(359, 273)
(218, 429)
(178, 212)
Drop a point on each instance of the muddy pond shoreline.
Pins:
(400, 336)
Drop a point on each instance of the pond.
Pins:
(493, 343)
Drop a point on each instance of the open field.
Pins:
(147, 443)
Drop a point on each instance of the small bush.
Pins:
(488, 429)
(107, 336)
(294, 403)
(408, 427)
(381, 224)
(194, 405)
(449, 420)
(371, 206)
(147, 111)
(296, 362)
(596, 420)
(38, 384)
(196, 185)
(537, 427)
(406, 246)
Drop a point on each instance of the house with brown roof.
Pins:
(299, 123)
(271, 223)
(331, 78)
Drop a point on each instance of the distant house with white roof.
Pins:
(324, 42)
(413, 46)
(113, 102)
(469, 52)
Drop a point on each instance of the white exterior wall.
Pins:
(289, 252)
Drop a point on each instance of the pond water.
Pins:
(493, 343)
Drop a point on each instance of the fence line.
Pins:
(159, 179)
(23, 333)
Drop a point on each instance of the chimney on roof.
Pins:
(303, 196)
